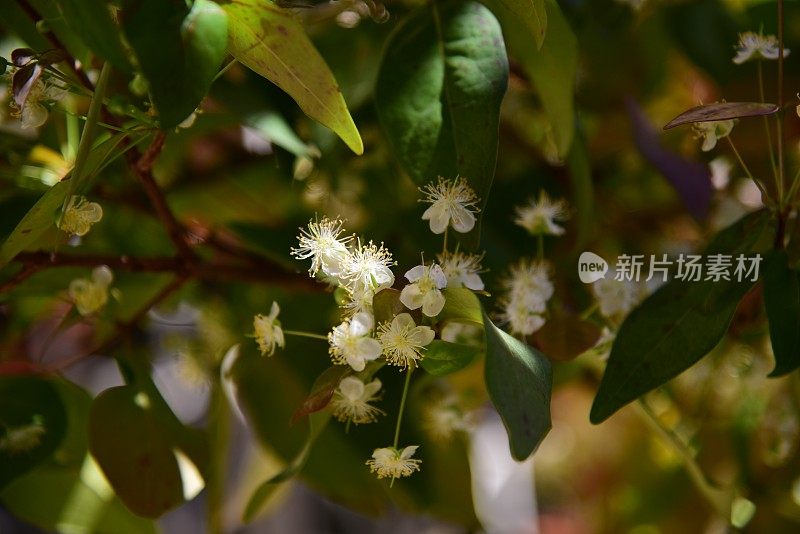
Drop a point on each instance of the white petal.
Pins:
(351, 388)
(411, 297)
(433, 302)
(383, 454)
(274, 311)
(408, 452)
(472, 281)
(463, 220)
(438, 276)
(356, 362)
(33, 115)
(102, 275)
(422, 336)
(277, 332)
(372, 388)
(403, 320)
(439, 217)
(369, 348)
(361, 324)
(415, 273)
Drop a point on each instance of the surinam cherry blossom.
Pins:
(90, 295)
(528, 288)
(539, 217)
(34, 112)
(268, 331)
(368, 267)
(324, 244)
(712, 131)
(462, 270)
(351, 401)
(350, 342)
(425, 289)
(616, 298)
(390, 462)
(80, 215)
(403, 341)
(754, 46)
(453, 203)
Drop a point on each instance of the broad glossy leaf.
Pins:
(519, 380)
(722, 111)
(127, 438)
(533, 13)
(442, 358)
(271, 41)
(461, 305)
(33, 424)
(41, 217)
(676, 326)
(438, 94)
(782, 300)
(552, 69)
(91, 20)
(179, 51)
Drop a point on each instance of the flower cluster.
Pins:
(34, 110)
(527, 290)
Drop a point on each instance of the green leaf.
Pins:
(676, 326)
(552, 69)
(179, 51)
(39, 219)
(32, 424)
(533, 14)
(443, 76)
(782, 300)
(442, 358)
(127, 438)
(519, 380)
(461, 305)
(91, 21)
(271, 41)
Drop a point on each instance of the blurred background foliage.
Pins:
(253, 167)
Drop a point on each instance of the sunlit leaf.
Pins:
(272, 42)
(533, 13)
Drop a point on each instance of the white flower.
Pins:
(350, 342)
(368, 267)
(20, 439)
(462, 270)
(351, 401)
(33, 112)
(753, 46)
(452, 202)
(268, 331)
(390, 462)
(528, 288)
(617, 297)
(712, 131)
(80, 215)
(358, 300)
(424, 291)
(322, 242)
(89, 295)
(539, 217)
(720, 169)
(403, 341)
(444, 417)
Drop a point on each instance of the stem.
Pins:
(540, 247)
(87, 136)
(780, 116)
(402, 406)
(747, 170)
(299, 333)
(719, 499)
(759, 63)
(444, 244)
(224, 69)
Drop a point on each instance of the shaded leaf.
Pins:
(92, 21)
(322, 391)
(552, 69)
(270, 41)
(722, 111)
(179, 51)
(782, 300)
(533, 13)
(442, 358)
(438, 94)
(676, 326)
(519, 380)
(386, 304)
(33, 424)
(127, 438)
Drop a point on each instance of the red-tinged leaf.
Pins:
(322, 391)
(722, 111)
(22, 56)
